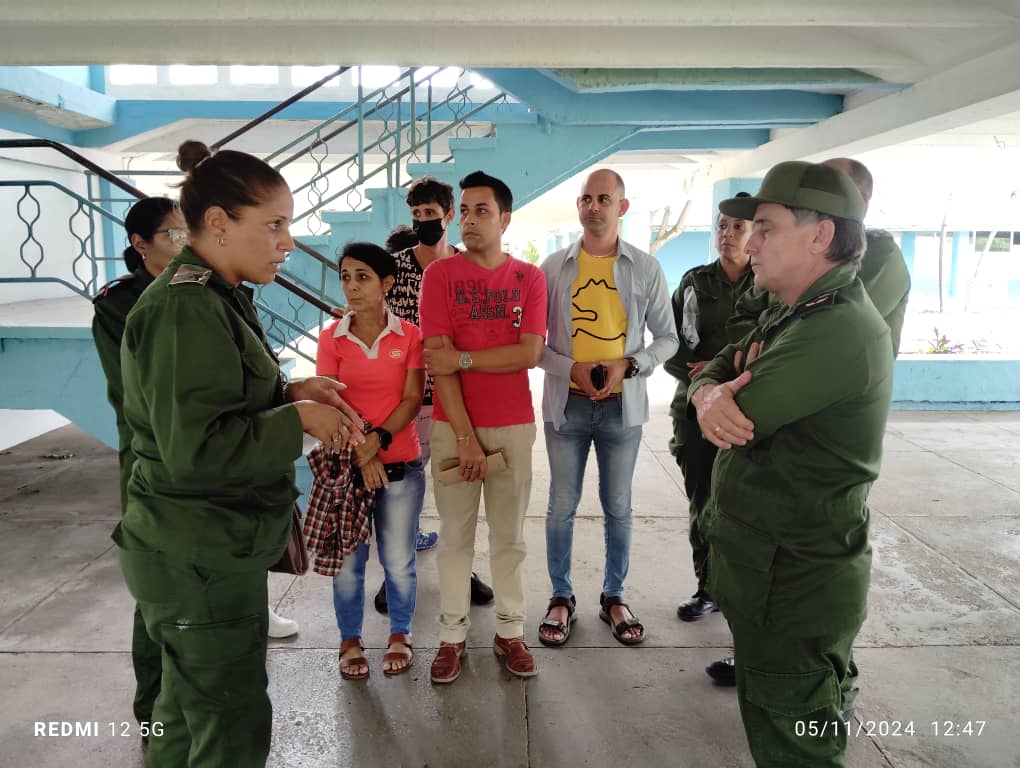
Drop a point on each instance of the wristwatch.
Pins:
(633, 369)
(385, 438)
(465, 361)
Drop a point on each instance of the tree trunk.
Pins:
(942, 252)
(669, 231)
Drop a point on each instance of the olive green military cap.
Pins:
(797, 184)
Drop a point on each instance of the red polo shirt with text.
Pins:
(482, 308)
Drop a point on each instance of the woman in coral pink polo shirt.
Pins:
(379, 357)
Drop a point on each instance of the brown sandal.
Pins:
(397, 656)
(346, 665)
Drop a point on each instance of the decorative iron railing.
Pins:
(367, 143)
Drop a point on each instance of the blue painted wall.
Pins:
(948, 382)
(690, 249)
(77, 75)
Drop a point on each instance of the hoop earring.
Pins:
(220, 240)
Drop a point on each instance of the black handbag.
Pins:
(295, 557)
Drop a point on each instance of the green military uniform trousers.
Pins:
(695, 457)
(213, 709)
(702, 304)
(793, 692)
(112, 305)
(147, 660)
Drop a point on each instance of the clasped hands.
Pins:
(580, 374)
(324, 414)
(722, 422)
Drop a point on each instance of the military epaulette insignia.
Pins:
(820, 301)
(106, 288)
(189, 274)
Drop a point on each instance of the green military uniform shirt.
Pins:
(789, 530)
(885, 277)
(111, 306)
(213, 482)
(887, 281)
(702, 304)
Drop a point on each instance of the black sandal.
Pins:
(623, 626)
(570, 603)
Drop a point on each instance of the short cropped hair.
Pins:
(504, 197)
(848, 241)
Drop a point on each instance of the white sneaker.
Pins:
(281, 627)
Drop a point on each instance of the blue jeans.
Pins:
(395, 521)
(616, 450)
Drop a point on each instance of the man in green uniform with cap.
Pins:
(886, 279)
(883, 270)
(799, 408)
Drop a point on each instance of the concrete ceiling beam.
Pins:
(583, 14)
(980, 89)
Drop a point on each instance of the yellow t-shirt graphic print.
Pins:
(599, 321)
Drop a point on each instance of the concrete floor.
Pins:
(942, 642)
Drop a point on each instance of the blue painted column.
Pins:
(97, 79)
(728, 188)
(954, 263)
(908, 240)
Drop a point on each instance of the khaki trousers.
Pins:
(506, 500)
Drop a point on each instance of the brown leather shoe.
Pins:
(446, 666)
(519, 660)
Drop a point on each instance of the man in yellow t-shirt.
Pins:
(603, 294)
(598, 321)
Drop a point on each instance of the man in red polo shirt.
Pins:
(483, 317)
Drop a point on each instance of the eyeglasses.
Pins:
(177, 236)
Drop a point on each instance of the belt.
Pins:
(579, 393)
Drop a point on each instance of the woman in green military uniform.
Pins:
(702, 304)
(215, 433)
(157, 233)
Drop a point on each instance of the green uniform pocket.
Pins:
(791, 694)
(215, 666)
(145, 573)
(740, 567)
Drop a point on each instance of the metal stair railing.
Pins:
(84, 276)
(392, 164)
(401, 139)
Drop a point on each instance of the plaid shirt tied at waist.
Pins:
(337, 520)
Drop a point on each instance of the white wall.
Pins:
(20, 426)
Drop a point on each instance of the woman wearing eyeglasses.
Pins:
(157, 232)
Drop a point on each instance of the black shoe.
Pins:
(722, 671)
(698, 607)
(380, 599)
(481, 593)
